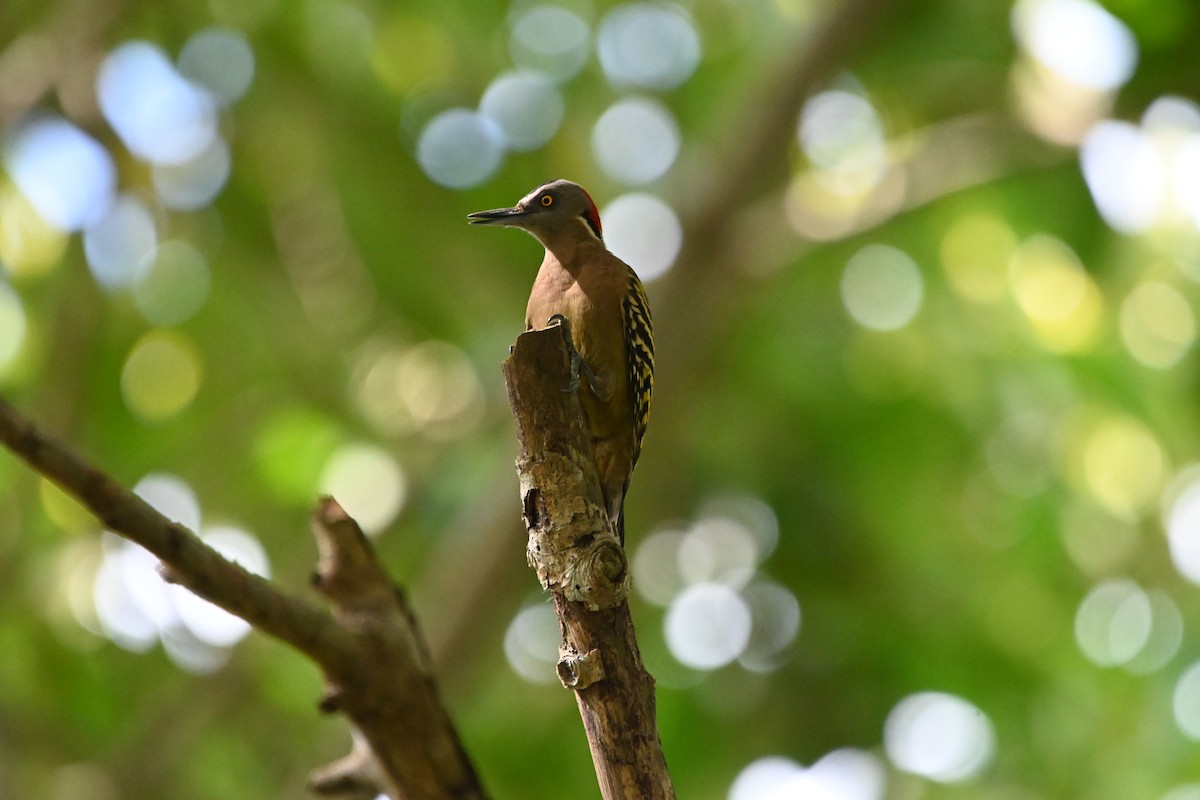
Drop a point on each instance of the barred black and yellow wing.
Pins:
(639, 345)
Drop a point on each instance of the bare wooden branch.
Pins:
(584, 568)
(376, 664)
(390, 693)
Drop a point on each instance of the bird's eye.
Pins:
(547, 200)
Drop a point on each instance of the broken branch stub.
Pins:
(570, 545)
(580, 562)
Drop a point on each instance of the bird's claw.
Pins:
(579, 367)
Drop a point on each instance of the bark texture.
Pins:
(580, 562)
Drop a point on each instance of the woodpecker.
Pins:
(601, 300)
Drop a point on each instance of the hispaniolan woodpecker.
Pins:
(602, 300)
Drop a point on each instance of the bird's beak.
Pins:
(498, 216)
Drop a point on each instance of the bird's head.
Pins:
(550, 212)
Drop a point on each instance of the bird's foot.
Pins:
(579, 367)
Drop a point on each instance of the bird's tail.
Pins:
(616, 514)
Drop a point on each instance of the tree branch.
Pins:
(580, 562)
(388, 689)
(377, 668)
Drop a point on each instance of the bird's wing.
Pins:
(639, 344)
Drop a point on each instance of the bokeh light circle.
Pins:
(644, 232)
(550, 39)
(526, 106)
(368, 482)
(975, 254)
(159, 115)
(121, 617)
(1181, 516)
(66, 175)
(531, 644)
(437, 387)
(190, 653)
(707, 626)
(143, 584)
(195, 183)
(460, 148)
(775, 623)
(1125, 175)
(1058, 296)
(939, 736)
(1166, 635)
(752, 513)
(842, 136)
(764, 778)
(636, 140)
(1157, 325)
(655, 566)
(648, 45)
(718, 550)
(845, 774)
(882, 288)
(118, 245)
(1124, 465)
(1077, 39)
(174, 285)
(221, 60)
(1113, 622)
(1186, 702)
(161, 376)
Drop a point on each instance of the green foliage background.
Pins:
(915, 567)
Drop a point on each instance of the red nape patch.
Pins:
(593, 216)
